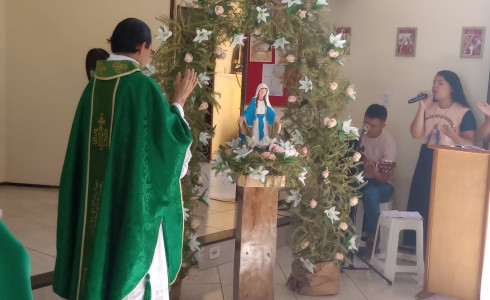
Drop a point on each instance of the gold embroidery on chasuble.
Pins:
(119, 67)
(101, 134)
(95, 206)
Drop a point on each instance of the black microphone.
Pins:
(418, 98)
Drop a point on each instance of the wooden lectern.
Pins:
(457, 222)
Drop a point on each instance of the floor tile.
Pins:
(201, 291)
(40, 262)
(45, 293)
(209, 275)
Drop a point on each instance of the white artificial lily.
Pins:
(217, 160)
(289, 150)
(242, 152)
(352, 243)
(321, 2)
(306, 84)
(297, 137)
(346, 128)
(262, 14)
(295, 196)
(258, 173)
(150, 70)
(302, 176)
(227, 173)
(202, 78)
(307, 264)
(291, 2)
(238, 39)
(202, 35)
(186, 213)
(193, 243)
(332, 214)
(336, 40)
(164, 34)
(359, 177)
(204, 138)
(280, 43)
(234, 143)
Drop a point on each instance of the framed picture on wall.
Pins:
(260, 50)
(472, 42)
(406, 38)
(346, 35)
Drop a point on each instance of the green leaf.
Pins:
(289, 9)
(202, 197)
(303, 102)
(317, 6)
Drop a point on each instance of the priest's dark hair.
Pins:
(128, 34)
(457, 93)
(376, 111)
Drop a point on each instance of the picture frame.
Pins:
(472, 40)
(260, 50)
(346, 35)
(406, 41)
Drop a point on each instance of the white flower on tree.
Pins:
(307, 264)
(202, 78)
(291, 2)
(295, 196)
(321, 2)
(306, 84)
(302, 176)
(242, 152)
(193, 243)
(352, 243)
(202, 35)
(332, 214)
(360, 178)
(347, 128)
(186, 213)
(336, 40)
(262, 14)
(204, 138)
(280, 43)
(297, 137)
(234, 143)
(258, 173)
(150, 70)
(164, 34)
(238, 39)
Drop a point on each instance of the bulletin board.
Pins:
(265, 65)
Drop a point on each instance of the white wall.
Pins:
(3, 94)
(374, 68)
(46, 45)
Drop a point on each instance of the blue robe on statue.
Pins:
(250, 116)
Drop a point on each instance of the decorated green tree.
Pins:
(325, 165)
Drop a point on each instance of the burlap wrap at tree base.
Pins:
(325, 280)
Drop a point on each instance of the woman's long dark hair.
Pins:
(457, 94)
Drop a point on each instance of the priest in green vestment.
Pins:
(120, 206)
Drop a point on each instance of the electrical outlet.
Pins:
(214, 252)
(385, 98)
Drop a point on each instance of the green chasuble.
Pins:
(15, 267)
(120, 181)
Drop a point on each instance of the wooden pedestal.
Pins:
(255, 238)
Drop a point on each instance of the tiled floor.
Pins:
(30, 213)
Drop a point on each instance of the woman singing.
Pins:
(446, 121)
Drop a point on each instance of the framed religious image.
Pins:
(406, 38)
(346, 35)
(472, 42)
(260, 50)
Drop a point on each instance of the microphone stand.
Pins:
(353, 217)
